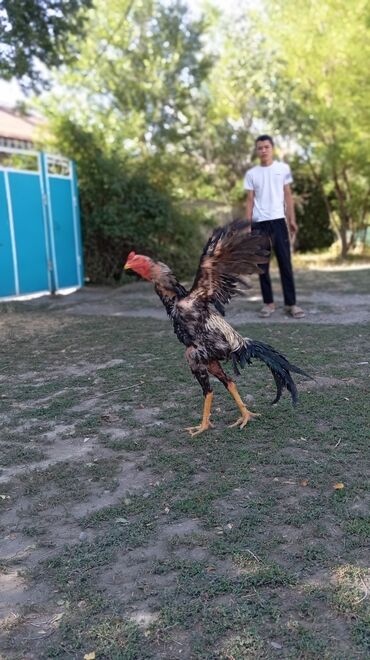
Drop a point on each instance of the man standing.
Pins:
(270, 208)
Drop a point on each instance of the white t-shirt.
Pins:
(268, 185)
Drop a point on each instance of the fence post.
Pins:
(46, 211)
(77, 222)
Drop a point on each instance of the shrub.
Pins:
(122, 210)
(312, 215)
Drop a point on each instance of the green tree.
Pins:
(321, 98)
(137, 76)
(123, 112)
(122, 210)
(37, 32)
(231, 103)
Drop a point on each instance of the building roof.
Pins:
(14, 125)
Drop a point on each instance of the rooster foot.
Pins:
(196, 430)
(242, 421)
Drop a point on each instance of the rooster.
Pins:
(197, 315)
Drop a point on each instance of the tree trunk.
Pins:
(343, 239)
(343, 215)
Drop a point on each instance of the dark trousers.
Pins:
(277, 230)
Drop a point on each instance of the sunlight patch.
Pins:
(144, 619)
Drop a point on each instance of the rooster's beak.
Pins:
(130, 257)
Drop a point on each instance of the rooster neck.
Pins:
(169, 291)
(166, 285)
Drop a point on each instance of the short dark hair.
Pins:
(262, 138)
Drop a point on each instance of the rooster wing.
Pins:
(230, 253)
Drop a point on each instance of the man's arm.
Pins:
(290, 212)
(249, 205)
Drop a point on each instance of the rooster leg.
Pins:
(246, 414)
(205, 423)
(215, 369)
(199, 370)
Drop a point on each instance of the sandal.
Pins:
(295, 311)
(266, 311)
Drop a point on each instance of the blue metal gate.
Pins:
(40, 237)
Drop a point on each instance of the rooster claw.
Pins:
(242, 421)
(196, 430)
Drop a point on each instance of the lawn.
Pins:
(124, 537)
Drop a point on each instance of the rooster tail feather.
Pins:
(278, 364)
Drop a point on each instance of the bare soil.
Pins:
(121, 536)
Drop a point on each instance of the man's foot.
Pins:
(266, 311)
(295, 311)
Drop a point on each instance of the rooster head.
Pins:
(140, 264)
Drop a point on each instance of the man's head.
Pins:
(265, 149)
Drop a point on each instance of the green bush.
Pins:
(122, 210)
(135, 216)
(311, 211)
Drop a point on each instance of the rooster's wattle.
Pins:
(197, 315)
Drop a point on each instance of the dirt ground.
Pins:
(328, 296)
(122, 537)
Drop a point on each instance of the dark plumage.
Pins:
(231, 253)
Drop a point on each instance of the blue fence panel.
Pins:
(40, 237)
(29, 232)
(62, 221)
(8, 285)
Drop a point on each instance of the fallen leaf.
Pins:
(122, 521)
(304, 482)
(339, 485)
(166, 509)
(90, 656)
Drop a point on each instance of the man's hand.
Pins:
(293, 227)
(290, 214)
(293, 230)
(249, 208)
